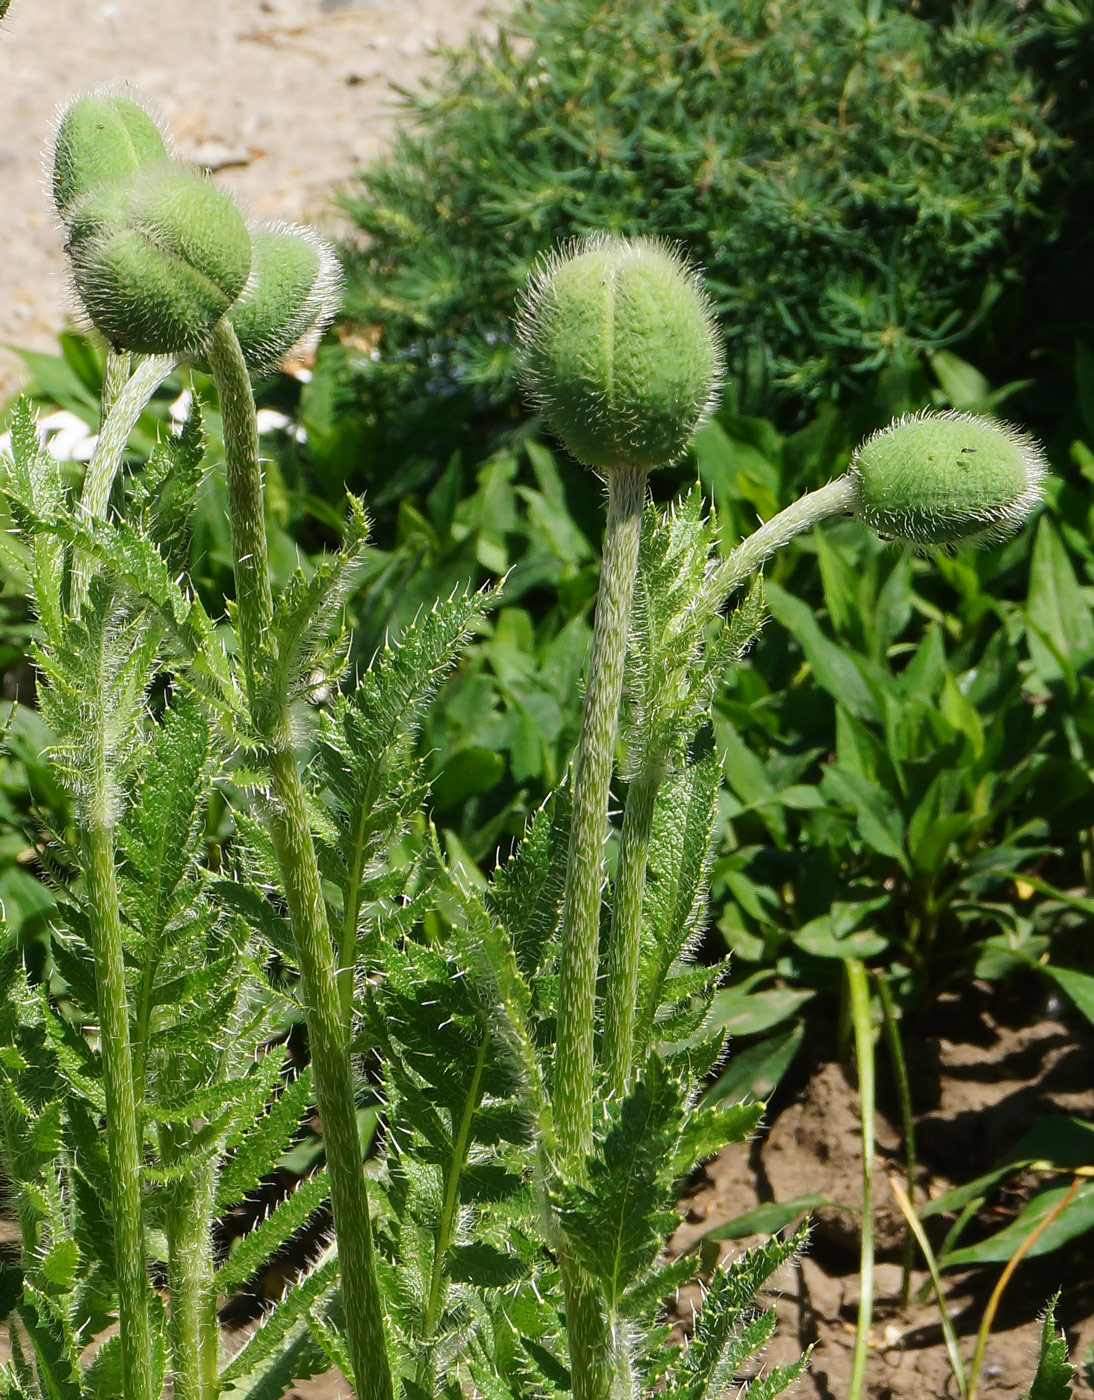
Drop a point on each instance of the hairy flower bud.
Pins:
(620, 348)
(101, 138)
(292, 294)
(947, 478)
(158, 260)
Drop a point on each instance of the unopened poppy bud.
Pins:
(159, 260)
(101, 138)
(947, 478)
(292, 294)
(621, 352)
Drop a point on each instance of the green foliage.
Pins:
(851, 177)
(1054, 1371)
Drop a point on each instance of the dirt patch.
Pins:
(983, 1073)
(284, 99)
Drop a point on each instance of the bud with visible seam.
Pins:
(291, 296)
(101, 138)
(620, 350)
(158, 260)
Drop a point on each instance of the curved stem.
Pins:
(328, 1031)
(592, 783)
(123, 404)
(115, 373)
(837, 498)
(625, 940)
(864, 1056)
(122, 1132)
(1005, 1277)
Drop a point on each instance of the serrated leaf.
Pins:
(1055, 1373)
(484, 1266)
(274, 1230)
(615, 1225)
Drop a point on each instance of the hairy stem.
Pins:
(625, 941)
(587, 1332)
(122, 1131)
(864, 1056)
(329, 1033)
(592, 783)
(190, 1270)
(837, 498)
(115, 373)
(123, 400)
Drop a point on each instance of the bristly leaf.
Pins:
(677, 879)
(616, 1225)
(1054, 1372)
(305, 629)
(526, 894)
(163, 495)
(366, 748)
(272, 1232)
(36, 495)
(728, 1328)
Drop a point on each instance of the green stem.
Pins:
(446, 1230)
(122, 1132)
(115, 373)
(625, 941)
(864, 1056)
(329, 1033)
(907, 1117)
(190, 1270)
(123, 403)
(573, 1095)
(837, 498)
(587, 1331)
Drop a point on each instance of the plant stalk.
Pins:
(124, 399)
(190, 1270)
(1005, 1277)
(837, 498)
(907, 1116)
(592, 782)
(864, 1057)
(329, 1033)
(625, 940)
(122, 1131)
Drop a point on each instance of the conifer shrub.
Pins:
(858, 181)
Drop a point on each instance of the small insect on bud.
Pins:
(620, 350)
(293, 292)
(101, 138)
(945, 478)
(158, 260)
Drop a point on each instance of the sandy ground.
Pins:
(283, 99)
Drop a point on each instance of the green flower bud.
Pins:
(621, 352)
(943, 479)
(292, 295)
(159, 260)
(101, 138)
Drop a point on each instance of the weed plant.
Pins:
(534, 1044)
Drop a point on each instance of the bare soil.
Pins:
(282, 99)
(983, 1072)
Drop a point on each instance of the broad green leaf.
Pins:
(756, 1070)
(1075, 1219)
(767, 1219)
